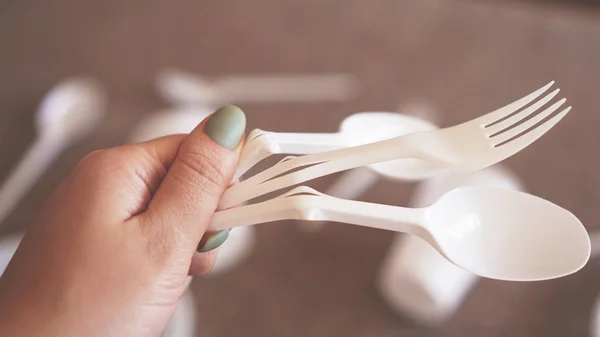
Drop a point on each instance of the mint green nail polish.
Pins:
(214, 241)
(226, 126)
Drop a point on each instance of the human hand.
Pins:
(112, 251)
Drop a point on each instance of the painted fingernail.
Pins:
(226, 126)
(213, 242)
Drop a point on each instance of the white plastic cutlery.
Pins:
(357, 129)
(69, 112)
(492, 232)
(182, 88)
(469, 146)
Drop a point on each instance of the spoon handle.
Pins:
(183, 88)
(269, 143)
(286, 87)
(37, 159)
(302, 205)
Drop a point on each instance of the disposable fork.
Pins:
(356, 129)
(469, 146)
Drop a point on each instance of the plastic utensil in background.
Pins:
(169, 122)
(492, 232)
(8, 247)
(414, 279)
(181, 324)
(356, 129)
(595, 239)
(595, 317)
(182, 88)
(240, 242)
(352, 184)
(595, 326)
(72, 110)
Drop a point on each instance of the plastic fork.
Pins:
(466, 147)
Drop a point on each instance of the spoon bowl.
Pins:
(504, 234)
(72, 109)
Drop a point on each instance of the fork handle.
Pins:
(308, 143)
(287, 87)
(270, 143)
(319, 164)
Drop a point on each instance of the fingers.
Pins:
(203, 168)
(122, 179)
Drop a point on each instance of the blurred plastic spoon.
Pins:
(72, 110)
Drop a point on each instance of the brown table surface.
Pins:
(465, 57)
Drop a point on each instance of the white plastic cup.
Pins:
(415, 280)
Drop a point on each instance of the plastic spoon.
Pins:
(491, 232)
(71, 111)
(357, 129)
(414, 279)
(181, 88)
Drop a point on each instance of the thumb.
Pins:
(204, 166)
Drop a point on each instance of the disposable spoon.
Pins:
(492, 232)
(70, 111)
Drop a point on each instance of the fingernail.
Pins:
(214, 241)
(226, 126)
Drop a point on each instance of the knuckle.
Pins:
(92, 159)
(106, 163)
(100, 160)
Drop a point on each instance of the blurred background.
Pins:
(464, 58)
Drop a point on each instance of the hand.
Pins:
(112, 251)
